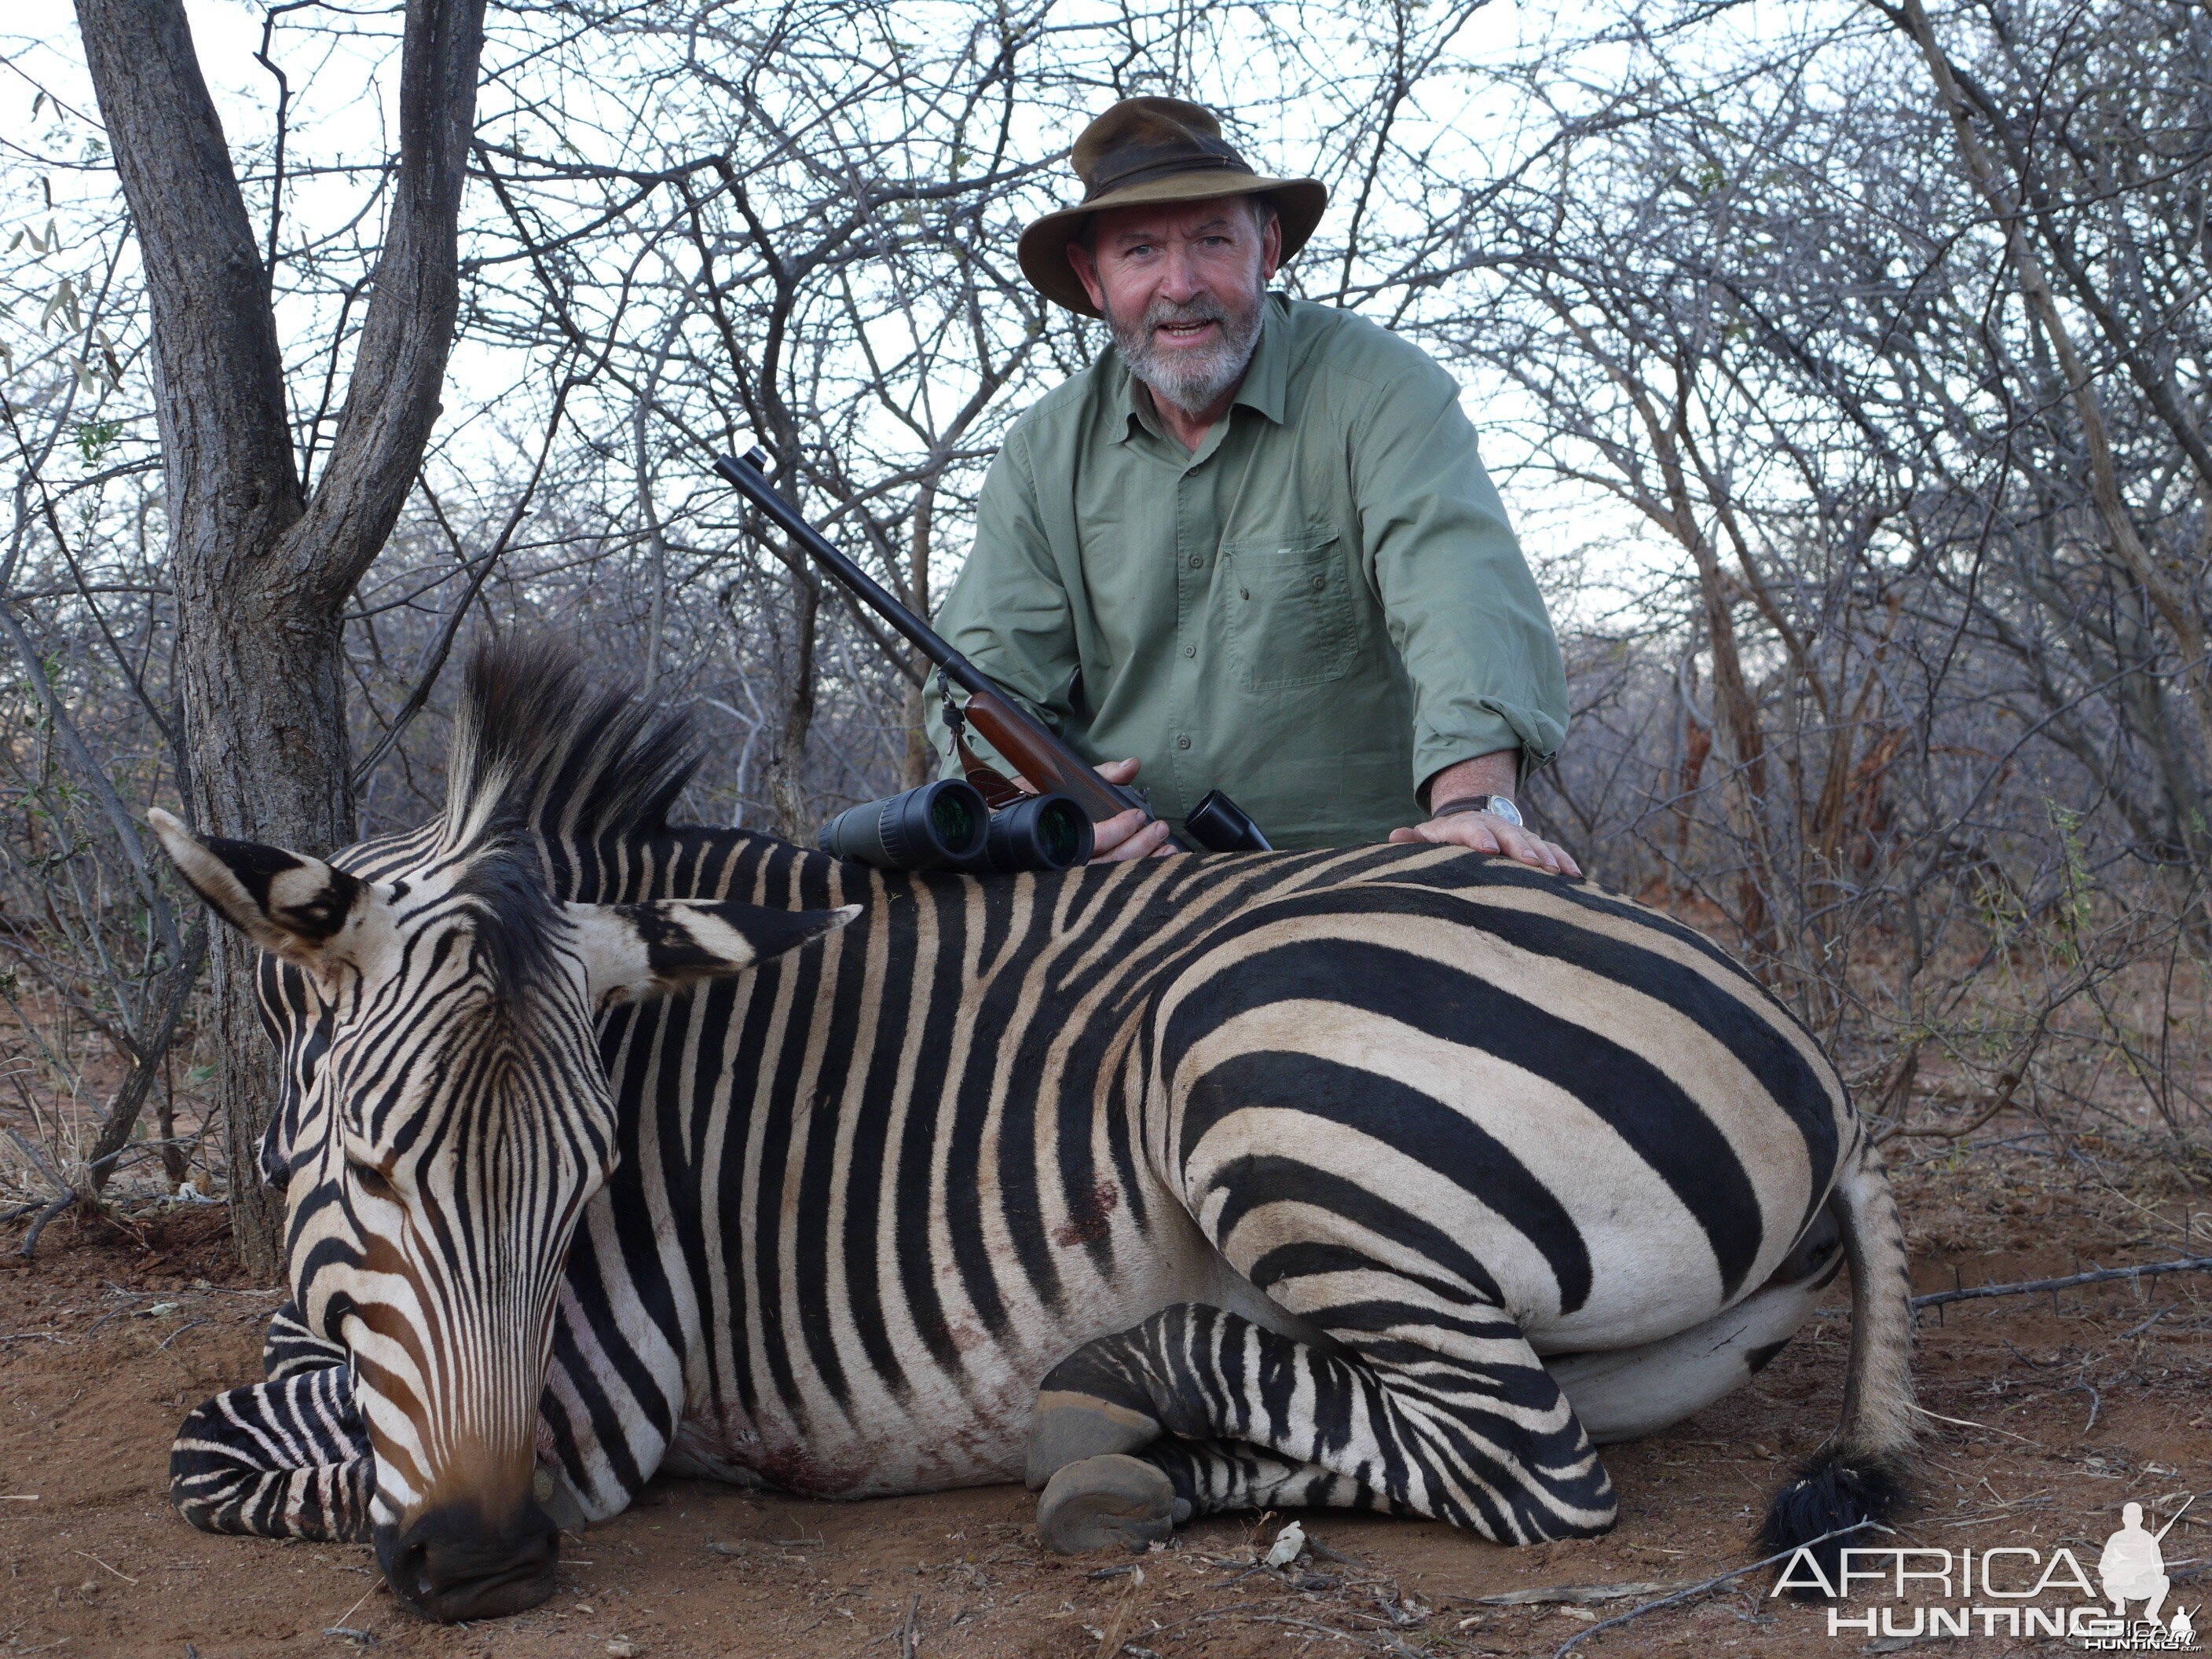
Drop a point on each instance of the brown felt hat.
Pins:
(1149, 150)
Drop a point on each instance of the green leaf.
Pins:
(95, 438)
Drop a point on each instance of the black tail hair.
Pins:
(1831, 1494)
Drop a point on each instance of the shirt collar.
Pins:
(1261, 389)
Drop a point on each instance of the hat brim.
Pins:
(1298, 205)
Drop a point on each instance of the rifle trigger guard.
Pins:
(997, 789)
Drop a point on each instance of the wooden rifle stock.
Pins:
(1049, 764)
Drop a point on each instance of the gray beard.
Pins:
(1192, 381)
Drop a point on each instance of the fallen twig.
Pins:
(1986, 1428)
(2080, 1385)
(339, 1622)
(1117, 1624)
(118, 1572)
(1571, 1594)
(2187, 1264)
(1692, 1592)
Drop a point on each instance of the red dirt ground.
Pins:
(2062, 1413)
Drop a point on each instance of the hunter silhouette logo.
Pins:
(2011, 1589)
(2133, 1566)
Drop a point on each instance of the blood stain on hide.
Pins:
(794, 1469)
(1090, 1220)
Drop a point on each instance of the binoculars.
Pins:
(946, 826)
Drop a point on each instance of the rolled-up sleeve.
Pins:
(1008, 611)
(1458, 597)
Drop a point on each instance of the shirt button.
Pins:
(1190, 651)
(1320, 583)
(1183, 743)
(1196, 559)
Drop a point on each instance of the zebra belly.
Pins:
(972, 1428)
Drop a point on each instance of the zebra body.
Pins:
(1025, 1195)
(1184, 1185)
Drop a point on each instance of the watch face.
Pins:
(1500, 807)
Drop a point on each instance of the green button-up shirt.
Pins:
(1315, 612)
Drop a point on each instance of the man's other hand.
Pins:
(1129, 834)
(1482, 833)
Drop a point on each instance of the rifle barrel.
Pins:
(748, 476)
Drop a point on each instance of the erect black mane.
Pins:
(553, 754)
(552, 777)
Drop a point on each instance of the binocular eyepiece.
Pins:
(1038, 832)
(946, 826)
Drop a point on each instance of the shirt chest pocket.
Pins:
(1288, 611)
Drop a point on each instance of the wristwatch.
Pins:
(1499, 806)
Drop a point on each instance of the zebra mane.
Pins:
(545, 762)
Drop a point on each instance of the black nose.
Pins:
(451, 1562)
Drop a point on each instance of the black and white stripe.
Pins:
(285, 1458)
(1390, 1176)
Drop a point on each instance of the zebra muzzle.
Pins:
(450, 1562)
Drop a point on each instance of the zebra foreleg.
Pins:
(286, 1459)
(288, 1347)
(1216, 1477)
(1443, 1412)
(1128, 1501)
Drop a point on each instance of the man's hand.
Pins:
(1481, 833)
(1126, 836)
(1129, 834)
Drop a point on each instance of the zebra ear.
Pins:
(292, 906)
(632, 951)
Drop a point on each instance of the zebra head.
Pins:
(453, 1126)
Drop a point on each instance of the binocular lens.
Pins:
(953, 815)
(946, 826)
(1060, 835)
(1039, 832)
(935, 827)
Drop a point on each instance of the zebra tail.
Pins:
(1859, 1475)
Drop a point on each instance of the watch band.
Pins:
(1490, 804)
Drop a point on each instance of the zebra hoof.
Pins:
(1071, 1427)
(553, 1497)
(1113, 1502)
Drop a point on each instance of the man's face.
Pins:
(1181, 286)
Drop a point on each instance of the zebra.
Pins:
(1396, 1178)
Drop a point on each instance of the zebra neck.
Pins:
(697, 863)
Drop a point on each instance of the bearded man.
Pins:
(1252, 547)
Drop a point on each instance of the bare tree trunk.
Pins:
(920, 759)
(262, 572)
(786, 786)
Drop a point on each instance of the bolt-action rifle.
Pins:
(1032, 748)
